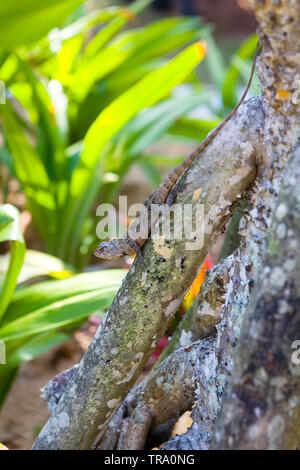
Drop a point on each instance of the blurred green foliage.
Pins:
(36, 317)
(70, 97)
(86, 101)
(23, 21)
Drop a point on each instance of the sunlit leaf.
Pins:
(37, 263)
(58, 314)
(151, 124)
(23, 21)
(40, 295)
(149, 90)
(125, 15)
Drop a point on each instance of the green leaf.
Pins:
(122, 63)
(37, 264)
(114, 26)
(195, 129)
(215, 64)
(6, 159)
(23, 21)
(9, 224)
(50, 143)
(164, 160)
(83, 24)
(24, 156)
(146, 128)
(10, 231)
(35, 346)
(7, 376)
(130, 49)
(153, 175)
(145, 93)
(58, 314)
(245, 52)
(26, 352)
(36, 184)
(141, 132)
(44, 294)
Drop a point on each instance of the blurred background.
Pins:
(233, 18)
(101, 99)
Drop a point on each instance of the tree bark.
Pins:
(139, 314)
(261, 404)
(261, 408)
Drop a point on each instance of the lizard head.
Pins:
(114, 249)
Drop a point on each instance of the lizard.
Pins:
(119, 247)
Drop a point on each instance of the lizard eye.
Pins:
(100, 251)
(108, 250)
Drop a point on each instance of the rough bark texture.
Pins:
(262, 407)
(139, 314)
(206, 311)
(169, 389)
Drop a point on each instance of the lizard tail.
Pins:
(168, 182)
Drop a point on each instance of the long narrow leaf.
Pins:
(132, 48)
(6, 159)
(7, 377)
(114, 26)
(151, 124)
(215, 63)
(35, 346)
(36, 184)
(23, 21)
(147, 92)
(84, 23)
(58, 314)
(229, 87)
(195, 129)
(10, 231)
(37, 264)
(38, 296)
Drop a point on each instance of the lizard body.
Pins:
(117, 248)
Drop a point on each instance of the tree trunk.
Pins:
(261, 409)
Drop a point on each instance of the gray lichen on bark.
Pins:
(262, 408)
(250, 155)
(262, 403)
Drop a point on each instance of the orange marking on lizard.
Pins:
(283, 95)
